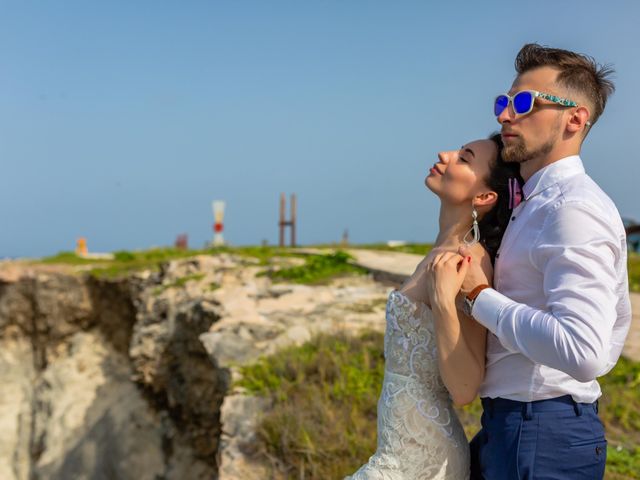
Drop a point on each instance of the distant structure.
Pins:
(396, 243)
(81, 247)
(287, 223)
(345, 238)
(218, 227)
(182, 241)
(83, 251)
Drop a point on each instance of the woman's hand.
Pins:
(445, 274)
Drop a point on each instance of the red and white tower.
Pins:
(218, 226)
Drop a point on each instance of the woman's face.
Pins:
(458, 175)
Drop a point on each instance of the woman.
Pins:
(434, 354)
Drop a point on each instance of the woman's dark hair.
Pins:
(494, 223)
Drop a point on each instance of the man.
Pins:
(559, 310)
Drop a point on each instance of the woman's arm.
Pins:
(461, 341)
(461, 354)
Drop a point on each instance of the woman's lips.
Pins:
(433, 170)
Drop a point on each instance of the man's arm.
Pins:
(577, 253)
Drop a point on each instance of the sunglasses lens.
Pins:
(501, 103)
(523, 102)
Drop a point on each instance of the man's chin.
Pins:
(514, 154)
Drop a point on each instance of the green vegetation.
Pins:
(179, 282)
(634, 272)
(317, 269)
(620, 412)
(70, 258)
(325, 395)
(182, 281)
(125, 262)
(323, 423)
(264, 254)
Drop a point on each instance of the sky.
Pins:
(122, 121)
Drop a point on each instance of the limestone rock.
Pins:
(16, 404)
(239, 458)
(132, 378)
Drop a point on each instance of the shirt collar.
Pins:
(552, 174)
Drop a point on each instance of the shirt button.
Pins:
(598, 450)
(513, 218)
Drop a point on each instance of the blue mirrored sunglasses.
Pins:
(523, 101)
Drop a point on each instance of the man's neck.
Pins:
(529, 168)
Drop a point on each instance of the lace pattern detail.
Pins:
(419, 434)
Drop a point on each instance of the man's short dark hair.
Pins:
(577, 72)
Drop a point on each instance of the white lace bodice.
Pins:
(419, 434)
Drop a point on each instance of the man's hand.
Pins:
(480, 272)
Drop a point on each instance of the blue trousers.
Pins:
(555, 439)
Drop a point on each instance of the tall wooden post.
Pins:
(293, 220)
(282, 222)
(287, 223)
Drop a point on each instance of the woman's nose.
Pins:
(445, 157)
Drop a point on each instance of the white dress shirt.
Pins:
(560, 310)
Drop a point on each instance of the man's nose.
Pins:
(507, 115)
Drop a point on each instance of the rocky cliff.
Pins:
(133, 378)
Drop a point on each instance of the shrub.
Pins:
(318, 268)
(324, 393)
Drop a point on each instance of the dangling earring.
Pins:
(474, 231)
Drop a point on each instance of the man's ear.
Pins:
(578, 119)
(485, 199)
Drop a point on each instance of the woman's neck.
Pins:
(455, 222)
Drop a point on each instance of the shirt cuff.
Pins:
(487, 307)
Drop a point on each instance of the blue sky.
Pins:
(121, 121)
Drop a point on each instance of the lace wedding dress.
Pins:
(419, 434)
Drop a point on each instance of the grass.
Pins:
(634, 272)
(325, 394)
(180, 282)
(126, 262)
(323, 423)
(70, 258)
(317, 269)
